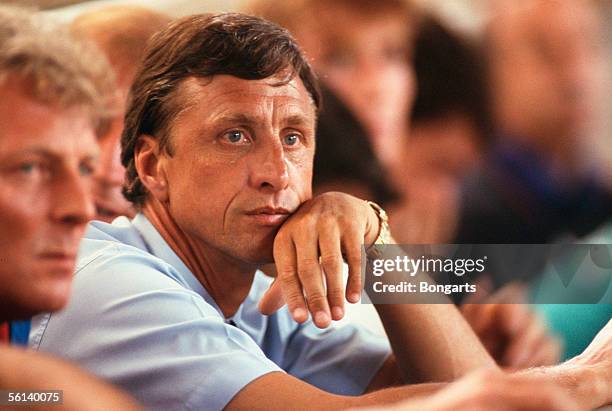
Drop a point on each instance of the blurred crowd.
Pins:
(464, 138)
(467, 138)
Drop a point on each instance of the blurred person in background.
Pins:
(121, 32)
(538, 184)
(364, 60)
(52, 99)
(450, 128)
(344, 158)
(545, 62)
(450, 122)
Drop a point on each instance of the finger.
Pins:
(272, 300)
(548, 353)
(288, 280)
(331, 261)
(480, 316)
(311, 277)
(351, 243)
(514, 318)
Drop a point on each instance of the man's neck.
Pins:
(226, 279)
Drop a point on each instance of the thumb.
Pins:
(272, 300)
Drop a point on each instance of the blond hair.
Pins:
(292, 13)
(59, 70)
(122, 33)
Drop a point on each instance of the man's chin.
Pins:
(259, 257)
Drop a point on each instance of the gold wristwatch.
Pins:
(384, 233)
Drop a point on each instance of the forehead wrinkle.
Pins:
(186, 96)
(224, 105)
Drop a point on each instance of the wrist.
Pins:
(582, 381)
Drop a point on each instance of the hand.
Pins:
(515, 335)
(597, 359)
(308, 253)
(493, 390)
(587, 377)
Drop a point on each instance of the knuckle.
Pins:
(331, 263)
(308, 266)
(294, 300)
(289, 282)
(317, 299)
(286, 273)
(335, 293)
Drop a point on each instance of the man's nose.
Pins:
(72, 200)
(268, 169)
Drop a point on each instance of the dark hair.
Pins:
(202, 46)
(344, 152)
(451, 77)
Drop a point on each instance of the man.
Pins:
(50, 106)
(121, 32)
(218, 146)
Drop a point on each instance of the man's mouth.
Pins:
(59, 261)
(269, 216)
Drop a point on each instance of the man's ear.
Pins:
(150, 164)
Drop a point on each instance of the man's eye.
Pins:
(235, 136)
(29, 168)
(291, 139)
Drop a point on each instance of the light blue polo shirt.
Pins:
(139, 318)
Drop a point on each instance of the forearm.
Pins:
(396, 394)
(432, 342)
(581, 382)
(279, 391)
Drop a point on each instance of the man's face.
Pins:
(110, 173)
(242, 162)
(546, 63)
(365, 61)
(46, 158)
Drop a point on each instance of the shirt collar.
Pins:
(159, 247)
